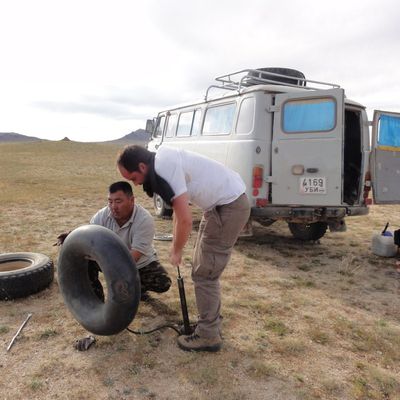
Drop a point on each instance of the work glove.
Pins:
(85, 343)
(60, 238)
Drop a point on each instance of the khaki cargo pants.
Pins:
(218, 232)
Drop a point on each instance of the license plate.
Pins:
(314, 185)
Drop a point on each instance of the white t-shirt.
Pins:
(137, 233)
(207, 182)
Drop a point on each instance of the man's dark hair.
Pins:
(130, 157)
(121, 185)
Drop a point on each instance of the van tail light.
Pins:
(257, 177)
(367, 188)
(261, 202)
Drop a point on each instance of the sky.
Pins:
(95, 70)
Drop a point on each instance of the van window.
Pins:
(185, 124)
(219, 119)
(171, 125)
(160, 126)
(388, 133)
(196, 123)
(189, 123)
(246, 116)
(314, 115)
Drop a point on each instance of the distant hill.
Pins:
(17, 137)
(138, 136)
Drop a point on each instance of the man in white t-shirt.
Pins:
(181, 177)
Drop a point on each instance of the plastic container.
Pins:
(383, 245)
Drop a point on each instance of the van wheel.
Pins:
(160, 208)
(305, 232)
(23, 274)
(97, 243)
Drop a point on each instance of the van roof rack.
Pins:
(237, 81)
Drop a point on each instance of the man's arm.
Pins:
(136, 255)
(182, 227)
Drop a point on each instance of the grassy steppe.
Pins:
(301, 320)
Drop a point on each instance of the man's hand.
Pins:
(60, 238)
(175, 257)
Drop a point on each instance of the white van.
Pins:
(302, 148)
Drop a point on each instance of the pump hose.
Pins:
(154, 330)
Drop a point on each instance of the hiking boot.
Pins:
(194, 342)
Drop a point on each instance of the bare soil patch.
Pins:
(301, 320)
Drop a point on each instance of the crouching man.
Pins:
(135, 226)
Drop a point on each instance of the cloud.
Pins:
(109, 110)
(91, 64)
(139, 102)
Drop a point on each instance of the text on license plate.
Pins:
(314, 185)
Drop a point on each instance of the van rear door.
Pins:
(307, 156)
(385, 157)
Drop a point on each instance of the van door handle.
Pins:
(312, 170)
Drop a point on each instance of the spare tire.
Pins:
(99, 244)
(23, 274)
(287, 72)
(308, 231)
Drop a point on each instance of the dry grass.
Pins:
(301, 320)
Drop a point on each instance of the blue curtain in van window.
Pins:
(309, 116)
(389, 131)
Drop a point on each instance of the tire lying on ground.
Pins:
(23, 274)
(99, 244)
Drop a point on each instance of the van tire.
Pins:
(160, 208)
(306, 232)
(99, 244)
(33, 273)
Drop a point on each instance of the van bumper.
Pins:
(307, 214)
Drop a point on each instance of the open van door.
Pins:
(307, 148)
(385, 157)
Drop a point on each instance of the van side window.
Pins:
(246, 116)
(219, 119)
(185, 124)
(311, 115)
(160, 126)
(171, 125)
(189, 123)
(196, 123)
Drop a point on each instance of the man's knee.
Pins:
(162, 283)
(154, 277)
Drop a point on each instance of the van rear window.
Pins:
(219, 119)
(314, 115)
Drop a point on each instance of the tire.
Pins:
(23, 274)
(94, 242)
(306, 232)
(288, 72)
(160, 208)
